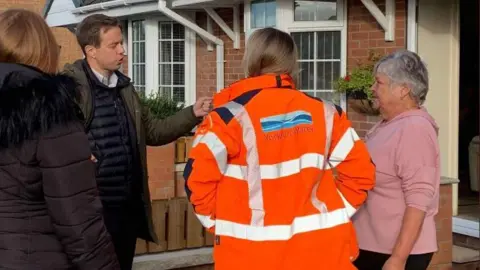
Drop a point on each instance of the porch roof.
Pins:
(67, 13)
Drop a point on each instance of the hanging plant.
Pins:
(357, 85)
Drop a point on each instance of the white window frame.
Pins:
(152, 52)
(285, 22)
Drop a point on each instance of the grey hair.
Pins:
(406, 68)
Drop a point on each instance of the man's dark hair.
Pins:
(88, 31)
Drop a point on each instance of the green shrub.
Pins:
(161, 106)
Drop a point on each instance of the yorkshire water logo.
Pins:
(292, 120)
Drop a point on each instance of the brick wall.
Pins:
(364, 34)
(70, 49)
(206, 60)
(442, 260)
(161, 171)
(34, 5)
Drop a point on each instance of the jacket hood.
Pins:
(32, 102)
(422, 112)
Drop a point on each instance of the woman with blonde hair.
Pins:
(260, 172)
(50, 214)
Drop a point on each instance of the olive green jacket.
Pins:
(149, 130)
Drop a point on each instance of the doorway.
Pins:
(468, 196)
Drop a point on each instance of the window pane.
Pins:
(138, 29)
(315, 10)
(178, 31)
(327, 72)
(165, 54)
(328, 44)
(165, 30)
(142, 30)
(323, 70)
(330, 96)
(257, 14)
(178, 51)
(165, 74)
(263, 13)
(270, 13)
(178, 74)
(306, 76)
(179, 94)
(171, 66)
(140, 89)
(138, 74)
(165, 92)
(142, 74)
(136, 54)
(142, 52)
(305, 44)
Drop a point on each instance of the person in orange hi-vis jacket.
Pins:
(257, 175)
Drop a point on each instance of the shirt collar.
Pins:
(110, 82)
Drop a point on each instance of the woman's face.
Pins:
(386, 95)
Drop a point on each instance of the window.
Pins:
(160, 59)
(264, 13)
(318, 28)
(138, 61)
(319, 61)
(315, 10)
(171, 69)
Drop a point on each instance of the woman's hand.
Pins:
(394, 263)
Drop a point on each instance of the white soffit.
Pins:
(60, 13)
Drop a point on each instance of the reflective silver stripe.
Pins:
(343, 147)
(206, 221)
(348, 207)
(278, 170)
(216, 147)
(329, 111)
(253, 176)
(282, 232)
(308, 160)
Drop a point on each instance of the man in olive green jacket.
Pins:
(119, 129)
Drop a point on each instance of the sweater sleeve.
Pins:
(416, 163)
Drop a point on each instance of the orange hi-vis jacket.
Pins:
(258, 178)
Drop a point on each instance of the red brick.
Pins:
(161, 171)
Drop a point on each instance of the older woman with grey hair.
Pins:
(396, 227)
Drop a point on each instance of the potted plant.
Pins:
(357, 86)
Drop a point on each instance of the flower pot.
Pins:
(360, 103)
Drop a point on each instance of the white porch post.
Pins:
(438, 45)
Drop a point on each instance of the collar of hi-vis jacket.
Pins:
(252, 83)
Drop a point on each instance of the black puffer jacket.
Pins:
(50, 213)
(112, 137)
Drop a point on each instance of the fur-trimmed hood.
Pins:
(32, 102)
